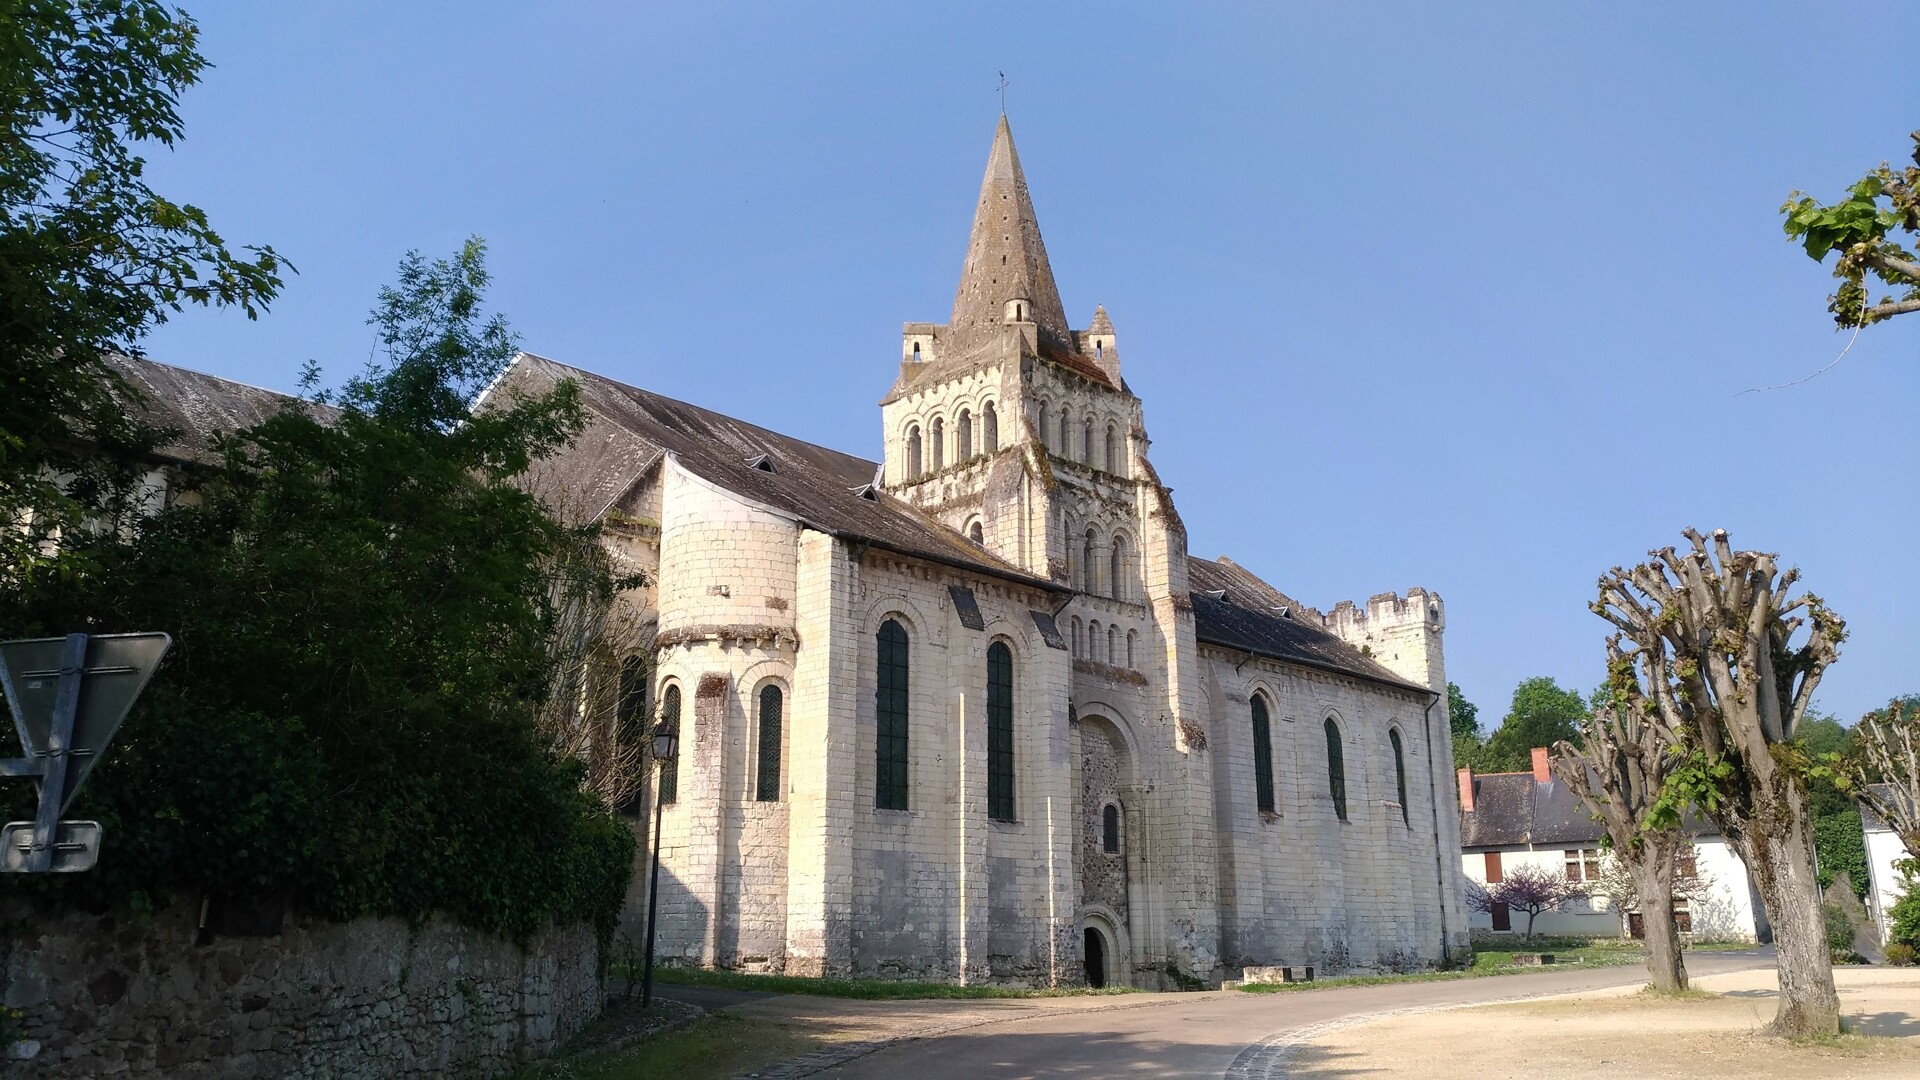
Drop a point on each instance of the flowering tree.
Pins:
(1527, 888)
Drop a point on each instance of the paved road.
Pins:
(1190, 1036)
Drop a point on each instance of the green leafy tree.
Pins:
(1462, 715)
(91, 257)
(1542, 713)
(1820, 736)
(363, 601)
(1840, 848)
(1864, 230)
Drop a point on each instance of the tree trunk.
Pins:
(1781, 862)
(1531, 915)
(1653, 876)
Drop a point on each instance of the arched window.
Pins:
(1399, 772)
(1117, 575)
(976, 534)
(670, 769)
(965, 432)
(937, 434)
(890, 714)
(1088, 565)
(1130, 660)
(1110, 829)
(1336, 770)
(999, 732)
(1116, 464)
(767, 785)
(914, 460)
(1262, 756)
(1113, 644)
(1076, 635)
(990, 422)
(1086, 440)
(1066, 432)
(1043, 428)
(1093, 640)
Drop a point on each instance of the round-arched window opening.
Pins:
(1110, 830)
(976, 534)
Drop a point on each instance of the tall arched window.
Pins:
(1093, 640)
(1110, 829)
(890, 714)
(915, 464)
(937, 435)
(1399, 772)
(1076, 635)
(1262, 756)
(767, 784)
(990, 425)
(1130, 639)
(1113, 644)
(670, 769)
(999, 732)
(1336, 770)
(1043, 426)
(964, 426)
(1088, 566)
(1116, 464)
(1066, 432)
(1086, 440)
(1117, 569)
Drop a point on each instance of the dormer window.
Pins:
(761, 462)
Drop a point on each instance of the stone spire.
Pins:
(1006, 262)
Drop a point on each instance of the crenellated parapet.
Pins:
(1401, 632)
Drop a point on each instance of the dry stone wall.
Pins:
(138, 999)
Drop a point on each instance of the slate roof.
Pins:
(630, 430)
(194, 406)
(1514, 810)
(1874, 821)
(1247, 615)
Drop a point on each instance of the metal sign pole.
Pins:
(53, 781)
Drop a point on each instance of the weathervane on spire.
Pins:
(1003, 93)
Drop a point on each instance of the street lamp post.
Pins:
(666, 744)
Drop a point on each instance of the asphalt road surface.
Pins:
(1203, 1036)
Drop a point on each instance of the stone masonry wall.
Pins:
(137, 999)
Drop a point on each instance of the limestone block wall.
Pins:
(138, 999)
(1300, 885)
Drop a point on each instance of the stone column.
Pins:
(821, 749)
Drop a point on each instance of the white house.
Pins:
(1885, 852)
(1509, 820)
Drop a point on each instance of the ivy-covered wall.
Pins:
(373, 998)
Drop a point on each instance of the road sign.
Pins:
(76, 846)
(68, 696)
(112, 675)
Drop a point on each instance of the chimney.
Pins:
(1542, 771)
(1466, 790)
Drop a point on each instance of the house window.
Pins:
(965, 434)
(1494, 876)
(914, 464)
(999, 732)
(1682, 916)
(990, 423)
(1685, 863)
(937, 435)
(890, 712)
(1110, 829)
(1336, 770)
(1262, 757)
(1583, 865)
(670, 769)
(1399, 773)
(767, 787)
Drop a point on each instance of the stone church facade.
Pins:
(973, 713)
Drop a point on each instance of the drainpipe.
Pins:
(1433, 801)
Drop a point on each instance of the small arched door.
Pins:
(1095, 954)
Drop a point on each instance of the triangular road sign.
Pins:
(116, 669)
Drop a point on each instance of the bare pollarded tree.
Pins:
(600, 647)
(1725, 662)
(1889, 743)
(1619, 771)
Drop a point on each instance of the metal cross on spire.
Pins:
(1003, 93)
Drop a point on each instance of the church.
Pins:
(971, 712)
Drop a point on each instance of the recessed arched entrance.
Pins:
(1094, 952)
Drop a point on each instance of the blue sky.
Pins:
(1460, 296)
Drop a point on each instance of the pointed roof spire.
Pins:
(1005, 258)
(1101, 324)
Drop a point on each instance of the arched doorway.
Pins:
(1095, 954)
